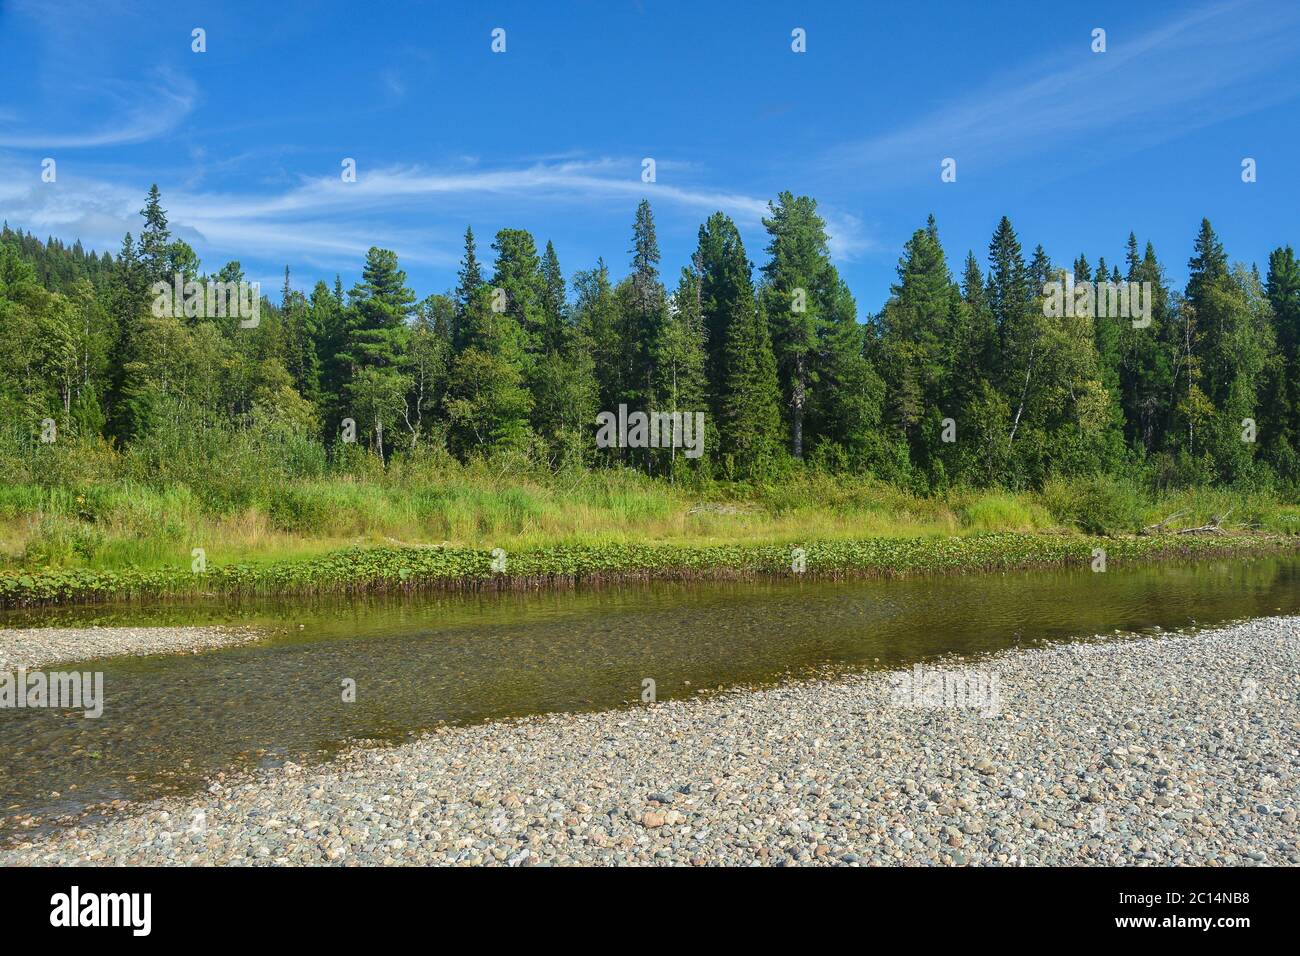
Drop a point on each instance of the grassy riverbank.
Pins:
(93, 537)
(356, 570)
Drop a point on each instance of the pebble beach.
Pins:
(39, 646)
(1175, 750)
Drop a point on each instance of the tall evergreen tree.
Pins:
(1011, 300)
(555, 305)
(1283, 420)
(646, 310)
(724, 281)
(917, 329)
(799, 293)
(563, 380)
(128, 298)
(469, 281)
(681, 352)
(1146, 366)
(374, 339)
(980, 411)
(471, 273)
(517, 275)
(598, 325)
(747, 395)
(154, 249)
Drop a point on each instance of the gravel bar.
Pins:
(1179, 749)
(38, 646)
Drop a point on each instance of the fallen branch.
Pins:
(1212, 527)
(1159, 525)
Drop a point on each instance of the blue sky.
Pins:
(245, 140)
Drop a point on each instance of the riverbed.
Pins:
(1155, 751)
(172, 724)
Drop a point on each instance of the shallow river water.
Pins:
(169, 721)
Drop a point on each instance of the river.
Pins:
(171, 720)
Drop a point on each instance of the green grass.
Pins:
(127, 523)
(1004, 512)
(357, 570)
(96, 523)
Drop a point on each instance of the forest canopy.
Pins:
(960, 379)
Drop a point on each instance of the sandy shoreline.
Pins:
(1174, 750)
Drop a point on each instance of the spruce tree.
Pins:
(1146, 377)
(155, 240)
(471, 273)
(373, 343)
(128, 300)
(751, 428)
(981, 413)
(844, 413)
(916, 336)
(563, 380)
(598, 327)
(555, 306)
(517, 275)
(748, 399)
(798, 294)
(1283, 289)
(1011, 300)
(724, 279)
(646, 311)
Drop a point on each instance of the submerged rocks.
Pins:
(1172, 750)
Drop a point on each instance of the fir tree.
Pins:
(155, 240)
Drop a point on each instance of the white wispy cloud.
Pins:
(576, 183)
(1145, 89)
(846, 236)
(332, 223)
(137, 112)
(399, 186)
(97, 212)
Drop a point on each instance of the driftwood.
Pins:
(1212, 527)
(1160, 525)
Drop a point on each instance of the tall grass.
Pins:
(261, 496)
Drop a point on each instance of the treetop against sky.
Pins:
(558, 118)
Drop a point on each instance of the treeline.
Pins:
(956, 381)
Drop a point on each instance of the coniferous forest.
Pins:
(959, 381)
(527, 436)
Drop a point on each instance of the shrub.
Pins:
(1097, 505)
(999, 511)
